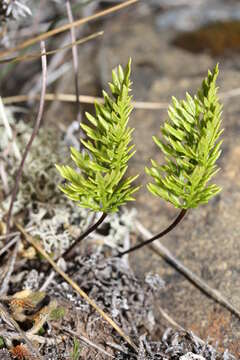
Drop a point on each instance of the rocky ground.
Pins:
(207, 240)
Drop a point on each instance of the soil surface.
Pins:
(208, 239)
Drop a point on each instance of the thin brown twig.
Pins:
(117, 347)
(87, 99)
(170, 320)
(75, 59)
(85, 340)
(73, 284)
(34, 133)
(66, 27)
(36, 55)
(162, 251)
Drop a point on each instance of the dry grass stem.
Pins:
(85, 99)
(66, 27)
(37, 55)
(86, 341)
(38, 247)
(170, 320)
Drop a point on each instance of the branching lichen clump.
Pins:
(191, 149)
(100, 185)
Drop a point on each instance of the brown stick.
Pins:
(38, 247)
(34, 133)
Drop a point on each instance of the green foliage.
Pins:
(57, 313)
(41, 331)
(76, 350)
(2, 344)
(191, 149)
(99, 185)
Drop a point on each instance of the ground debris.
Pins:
(128, 299)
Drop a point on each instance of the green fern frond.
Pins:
(191, 147)
(100, 184)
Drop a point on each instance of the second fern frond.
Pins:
(191, 147)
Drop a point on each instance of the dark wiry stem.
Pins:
(92, 228)
(34, 133)
(158, 236)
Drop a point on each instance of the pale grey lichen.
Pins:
(32, 280)
(113, 285)
(14, 9)
(154, 281)
(121, 224)
(54, 219)
(191, 356)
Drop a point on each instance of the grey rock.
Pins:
(197, 14)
